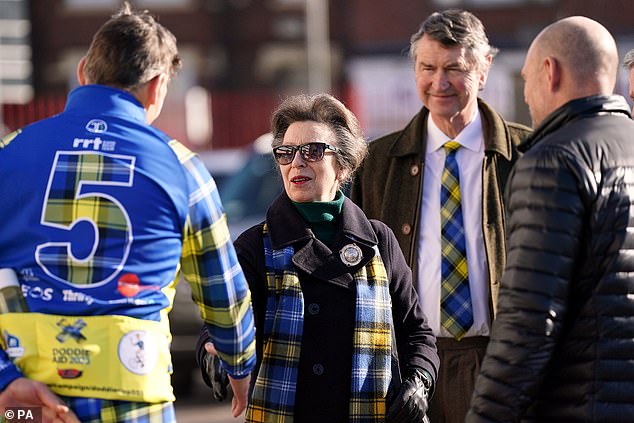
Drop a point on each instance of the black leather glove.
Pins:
(212, 372)
(409, 404)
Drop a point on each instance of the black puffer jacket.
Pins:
(562, 345)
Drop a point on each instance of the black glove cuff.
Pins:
(211, 369)
(423, 378)
(201, 352)
(410, 403)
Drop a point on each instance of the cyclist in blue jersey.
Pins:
(102, 214)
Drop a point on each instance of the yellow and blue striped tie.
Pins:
(456, 311)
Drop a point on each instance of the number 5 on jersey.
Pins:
(76, 193)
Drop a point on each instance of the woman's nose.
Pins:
(298, 161)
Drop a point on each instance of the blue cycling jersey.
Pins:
(100, 211)
(96, 209)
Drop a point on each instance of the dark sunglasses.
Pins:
(310, 152)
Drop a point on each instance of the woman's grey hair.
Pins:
(455, 27)
(323, 108)
(628, 60)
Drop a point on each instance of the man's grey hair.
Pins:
(455, 27)
(628, 60)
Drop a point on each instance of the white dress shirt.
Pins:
(469, 157)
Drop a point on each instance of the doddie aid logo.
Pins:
(97, 126)
(71, 330)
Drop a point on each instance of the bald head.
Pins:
(585, 49)
(572, 58)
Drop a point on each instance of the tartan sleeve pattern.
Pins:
(209, 264)
(4, 141)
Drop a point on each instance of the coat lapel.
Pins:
(288, 227)
(409, 140)
(495, 132)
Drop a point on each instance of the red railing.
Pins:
(18, 115)
(237, 118)
(240, 117)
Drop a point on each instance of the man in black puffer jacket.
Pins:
(562, 345)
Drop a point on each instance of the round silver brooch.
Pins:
(351, 255)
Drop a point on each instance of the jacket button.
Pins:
(313, 308)
(406, 228)
(318, 369)
(414, 170)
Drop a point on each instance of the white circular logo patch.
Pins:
(97, 126)
(138, 352)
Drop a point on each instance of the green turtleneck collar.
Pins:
(322, 216)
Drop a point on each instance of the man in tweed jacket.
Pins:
(399, 183)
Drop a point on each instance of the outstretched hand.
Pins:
(23, 392)
(240, 387)
(240, 398)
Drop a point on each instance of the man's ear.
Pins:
(80, 71)
(152, 94)
(484, 73)
(153, 89)
(553, 73)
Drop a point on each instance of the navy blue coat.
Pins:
(325, 366)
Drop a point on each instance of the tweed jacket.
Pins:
(324, 372)
(388, 186)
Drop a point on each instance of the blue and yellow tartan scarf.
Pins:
(273, 397)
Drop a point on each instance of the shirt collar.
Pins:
(470, 137)
(104, 100)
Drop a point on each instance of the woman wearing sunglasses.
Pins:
(340, 336)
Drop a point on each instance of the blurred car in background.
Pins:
(249, 192)
(223, 164)
(248, 181)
